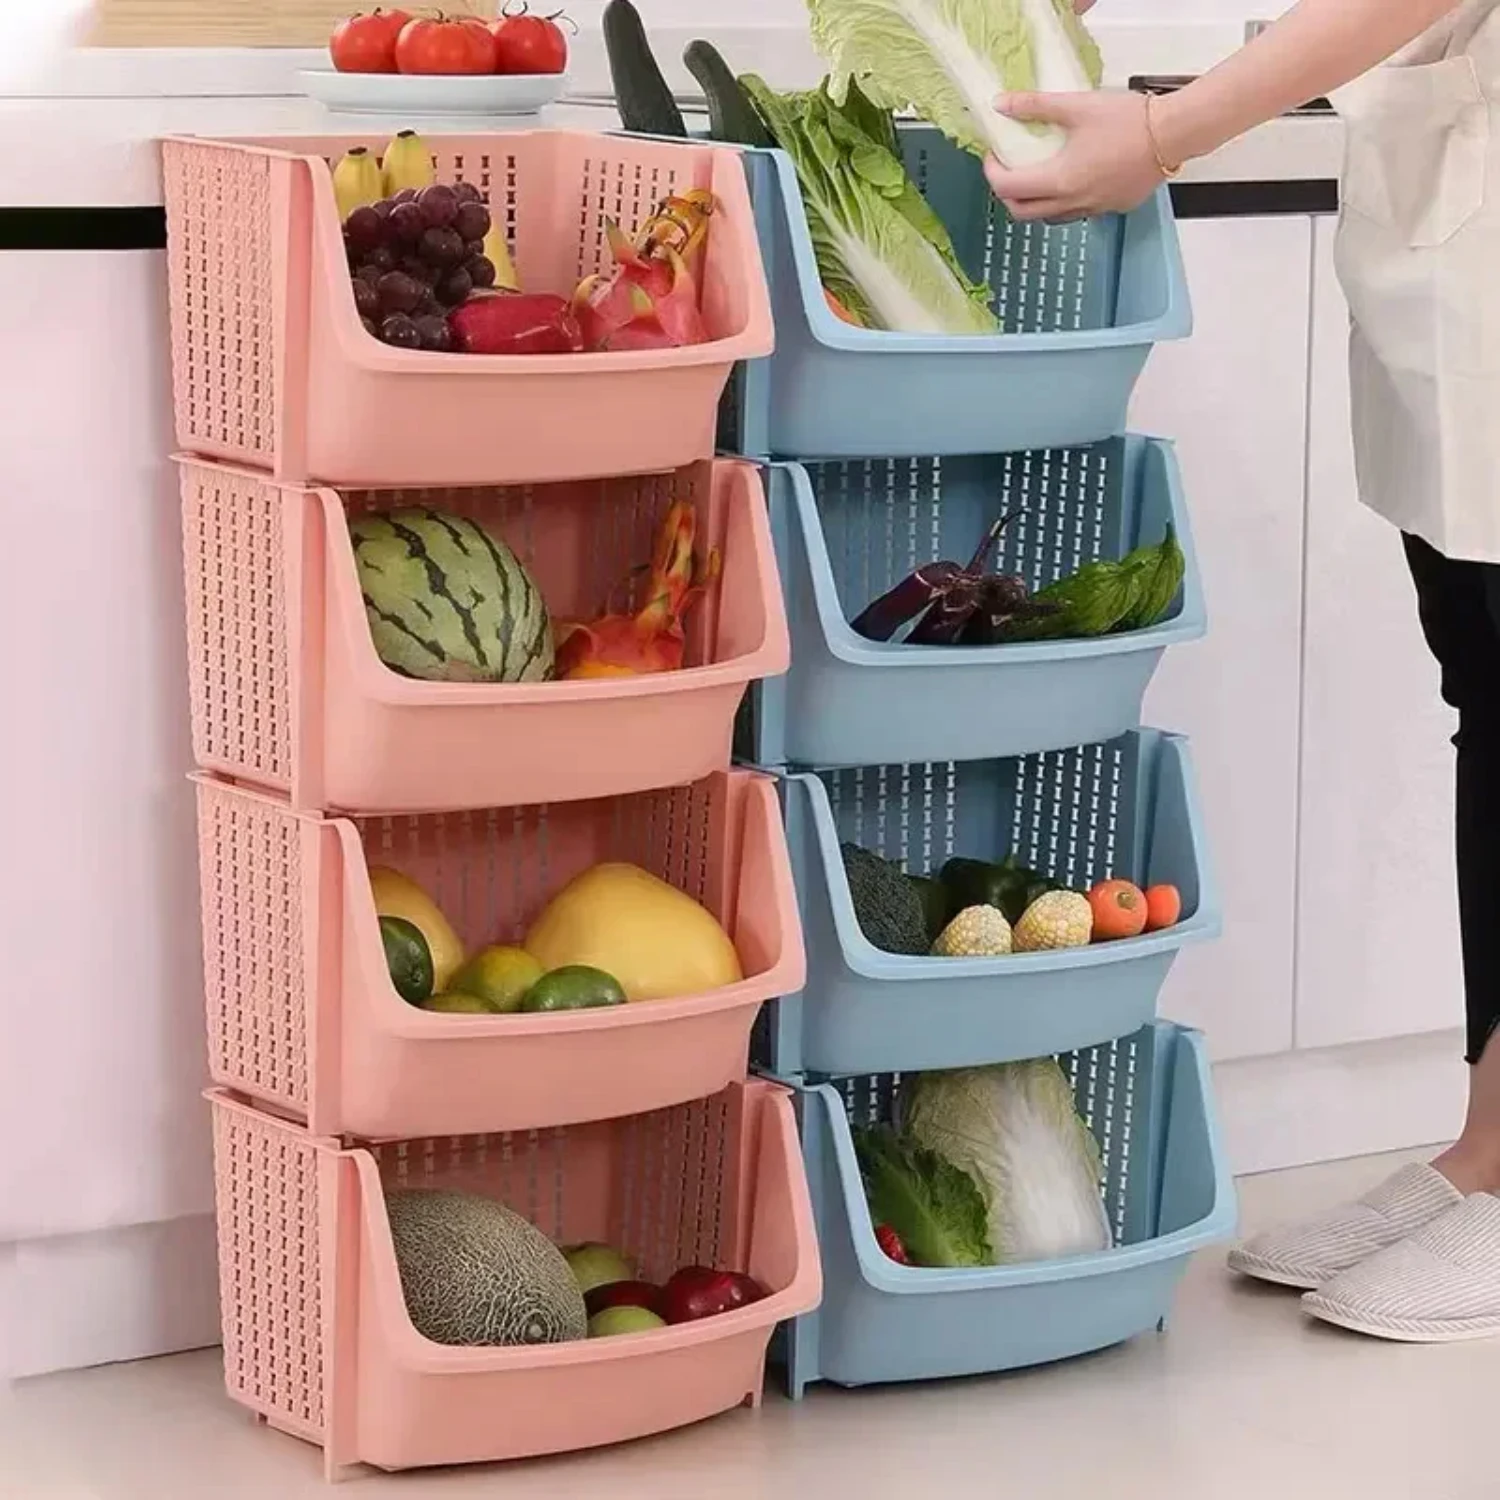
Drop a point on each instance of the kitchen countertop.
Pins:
(93, 116)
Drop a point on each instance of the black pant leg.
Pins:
(1459, 606)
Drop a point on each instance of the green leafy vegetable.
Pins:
(1015, 1131)
(1103, 597)
(949, 59)
(935, 1207)
(1157, 573)
(880, 249)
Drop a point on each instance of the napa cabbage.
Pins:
(1014, 1130)
(949, 59)
(881, 251)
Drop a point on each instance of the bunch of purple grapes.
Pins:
(414, 258)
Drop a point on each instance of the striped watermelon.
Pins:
(447, 602)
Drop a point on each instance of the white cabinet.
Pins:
(1235, 398)
(101, 1008)
(1377, 952)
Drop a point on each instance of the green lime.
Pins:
(408, 958)
(575, 987)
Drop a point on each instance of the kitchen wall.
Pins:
(774, 12)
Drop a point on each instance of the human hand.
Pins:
(1109, 164)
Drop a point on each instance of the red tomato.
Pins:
(444, 46)
(1163, 907)
(367, 43)
(529, 44)
(891, 1245)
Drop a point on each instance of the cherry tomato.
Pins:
(366, 43)
(529, 44)
(444, 46)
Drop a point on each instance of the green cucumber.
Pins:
(731, 116)
(645, 102)
(408, 958)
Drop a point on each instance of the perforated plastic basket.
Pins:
(302, 1013)
(1081, 306)
(846, 531)
(272, 368)
(316, 1333)
(1125, 809)
(287, 690)
(1167, 1190)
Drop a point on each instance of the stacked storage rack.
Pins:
(886, 452)
(636, 1126)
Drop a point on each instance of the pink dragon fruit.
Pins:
(650, 299)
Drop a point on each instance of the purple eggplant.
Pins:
(914, 594)
(1004, 602)
(943, 598)
(948, 617)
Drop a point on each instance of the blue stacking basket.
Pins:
(848, 530)
(1127, 809)
(1081, 306)
(1167, 1191)
(1034, 750)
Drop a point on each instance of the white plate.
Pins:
(428, 94)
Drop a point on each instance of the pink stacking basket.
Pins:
(302, 1013)
(272, 368)
(287, 690)
(316, 1335)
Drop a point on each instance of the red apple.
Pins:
(701, 1292)
(623, 1294)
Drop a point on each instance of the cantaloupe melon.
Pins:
(475, 1273)
(655, 940)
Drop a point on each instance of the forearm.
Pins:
(1319, 46)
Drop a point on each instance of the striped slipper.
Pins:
(1438, 1287)
(1309, 1254)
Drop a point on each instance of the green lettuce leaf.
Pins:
(934, 1206)
(948, 59)
(880, 248)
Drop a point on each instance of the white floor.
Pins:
(1242, 1398)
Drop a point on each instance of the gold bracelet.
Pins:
(1169, 173)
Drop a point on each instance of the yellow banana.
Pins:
(407, 164)
(356, 181)
(497, 252)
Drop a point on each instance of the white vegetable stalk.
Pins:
(1058, 70)
(894, 303)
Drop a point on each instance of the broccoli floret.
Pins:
(887, 903)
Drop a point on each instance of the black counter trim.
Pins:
(83, 228)
(146, 228)
(1238, 200)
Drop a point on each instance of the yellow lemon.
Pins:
(499, 976)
